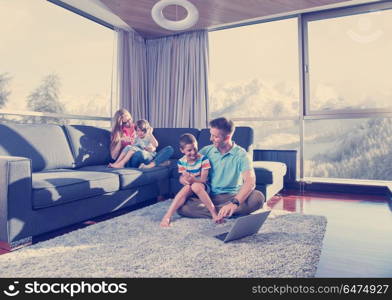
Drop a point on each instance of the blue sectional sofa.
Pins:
(53, 176)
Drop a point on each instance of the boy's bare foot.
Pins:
(160, 198)
(165, 222)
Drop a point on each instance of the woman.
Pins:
(123, 132)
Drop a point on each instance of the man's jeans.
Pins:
(194, 208)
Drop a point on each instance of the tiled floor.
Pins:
(358, 239)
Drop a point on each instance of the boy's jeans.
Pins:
(146, 157)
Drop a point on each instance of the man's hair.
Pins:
(187, 139)
(143, 125)
(223, 124)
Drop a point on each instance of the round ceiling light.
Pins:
(187, 22)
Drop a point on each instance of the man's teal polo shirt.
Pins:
(226, 169)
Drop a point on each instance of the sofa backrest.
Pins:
(90, 145)
(45, 144)
(170, 137)
(243, 136)
(51, 146)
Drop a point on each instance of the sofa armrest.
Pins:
(15, 191)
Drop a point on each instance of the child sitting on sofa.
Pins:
(194, 169)
(123, 132)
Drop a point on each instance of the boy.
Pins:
(194, 169)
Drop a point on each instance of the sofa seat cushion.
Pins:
(170, 137)
(267, 171)
(131, 177)
(45, 144)
(90, 145)
(60, 186)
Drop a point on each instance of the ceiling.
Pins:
(96, 9)
(212, 13)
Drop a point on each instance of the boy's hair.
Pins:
(223, 124)
(187, 139)
(143, 125)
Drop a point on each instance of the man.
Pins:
(232, 177)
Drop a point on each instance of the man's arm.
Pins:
(246, 189)
(202, 179)
(150, 148)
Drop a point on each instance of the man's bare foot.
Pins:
(165, 222)
(218, 220)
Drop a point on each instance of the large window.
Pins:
(53, 61)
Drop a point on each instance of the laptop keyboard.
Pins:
(222, 236)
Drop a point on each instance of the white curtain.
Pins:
(177, 80)
(132, 74)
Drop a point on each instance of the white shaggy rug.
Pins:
(133, 245)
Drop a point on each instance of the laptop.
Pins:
(243, 226)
